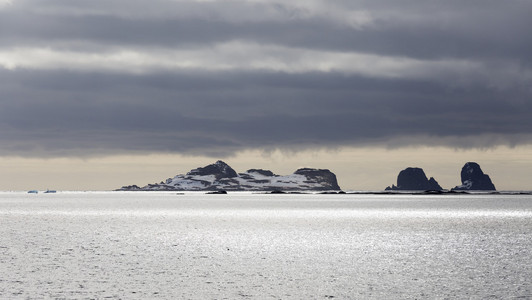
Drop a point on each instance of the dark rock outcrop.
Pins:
(261, 172)
(320, 175)
(473, 179)
(222, 192)
(132, 187)
(219, 170)
(414, 179)
(277, 192)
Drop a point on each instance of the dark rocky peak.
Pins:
(320, 175)
(219, 169)
(434, 185)
(474, 179)
(261, 172)
(414, 179)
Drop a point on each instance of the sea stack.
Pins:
(414, 179)
(473, 179)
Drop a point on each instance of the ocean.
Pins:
(149, 245)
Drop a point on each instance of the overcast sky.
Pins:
(212, 79)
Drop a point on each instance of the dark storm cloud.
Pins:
(450, 73)
(242, 111)
(489, 29)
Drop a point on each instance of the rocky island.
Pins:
(473, 179)
(414, 179)
(221, 177)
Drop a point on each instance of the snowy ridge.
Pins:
(220, 176)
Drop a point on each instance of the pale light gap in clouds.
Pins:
(234, 56)
(362, 168)
(242, 56)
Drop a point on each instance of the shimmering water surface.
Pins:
(242, 245)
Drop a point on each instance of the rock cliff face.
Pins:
(326, 177)
(474, 179)
(414, 179)
(220, 176)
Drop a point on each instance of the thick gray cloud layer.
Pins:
(214, 77)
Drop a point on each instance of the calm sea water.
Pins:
(243, 245)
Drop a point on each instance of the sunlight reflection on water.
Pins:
(242, 245)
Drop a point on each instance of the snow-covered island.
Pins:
(220, 176)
